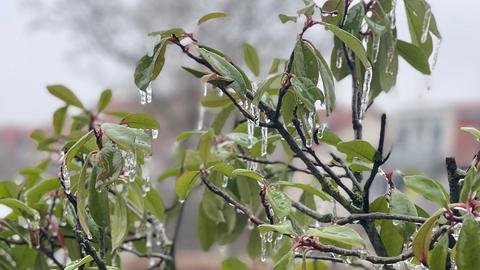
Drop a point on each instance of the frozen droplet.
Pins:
(263, 248)
(348, 260)
(66, 178)
(146, 185)
(154, 134)
(426, 24)
(264, 131)
(250, 225)
(271, 212)
(225, 181)
(321, 131)
(367, 81)
(143, 97)
(270, 237)
(148, 93)
(375, 47)
(339, 62)
(220, 92)
(201, 116)
(365, 40)
(362, 254)
(395, 222)
(181, 201)
(310, 128)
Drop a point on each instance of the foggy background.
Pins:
(93, 45)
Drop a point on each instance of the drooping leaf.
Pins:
(250, 57)
(414, 56)
(206, 230)
(35, 193)
(327, 81)
(211, 16)
(421, 241)
(284, 228)
(73, 150)
(307, 91)
(185, 184)
(59, 117)
(65, 94)
(468, 244)
(140, 120)
(428, 188)
(126, 137)
(154, 203)
(437, 259)
(205, 145)
(473, 131)
(305, 63)
(149, 67)
(341, 236)
(98, 202)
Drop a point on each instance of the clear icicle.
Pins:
(263, 248)
(250, 225)
(154, 134)
(426, 24)
(143, 97)
(264, 141)
(375, 47)
(146, 185)
(321, 131)
(205, 89)
(367, 80)
(66, 178)
(339, 62)
(310, 128)
(270, 237)
(250, 127)
(393, 14)
(130, 165)
(436, 49)
(148, 93)
(225, 181)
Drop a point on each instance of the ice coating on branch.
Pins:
(263, 248)
(393, 15)
(367, 81)
(154, 134)
(426, 24)
(148, 93)
(161, 236)
(130, 164)
(225, 181)
(143, 97)
(375, 47)
(264, 149)
(250, 125)
(339, 62)
(310, 127)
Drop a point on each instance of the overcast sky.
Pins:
(30, 60)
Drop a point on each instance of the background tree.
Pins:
(103, 203)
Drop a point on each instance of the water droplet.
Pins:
(339, 61)
(149, 93)
(426, 24)
(181, 200)
(250, 225)
(143, 97)
(263, 248)
(310, 128)
(225, 181)
(264, 131)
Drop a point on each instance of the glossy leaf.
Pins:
(437, 259)
(307, 91)
(401, 204)
(65, 94)
(279, 201)
(35, 193)
(341, 236)
(104, 100)
(307, 188)
(59, 117)
(468, 244)
(421, 241)
(126, 137)
(414, 56)
(305, 63)
(211, 16)
(250, 57)
(149, 67)
(154, 203)
(428, 188)
(185, 183)
(76, 264)
(248, 173)
(359, 149)
(284, 228)
(119, 222)
(140, 120)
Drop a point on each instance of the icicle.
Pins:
(220, 93)
(426, 24)
(263, 248)
(264, 141)
(375, 47)
(154, 134)
(225, 181)
(205, 89)
(367, 80)
(252, 165)
(148, 236)
(393, 14)
(339, 62)
(456, 231)
(130, 165)
(148, 93)
(434, 57)
(146, 185)
(143, 97)
(321, 131)
(270, 237)
(250, 128)
(310, 127)
(66, 178)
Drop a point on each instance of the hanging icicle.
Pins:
(393, 15)
(375, 47)
(149, 93)
(143, 97)
(130, 164)
(367, 80)
(426, 24)
(146, 185)
(65, 174)
(225, 181)
(310, 127)
(154, 134)
(263, 247)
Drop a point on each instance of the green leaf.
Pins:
(119, 222)
(307, 188)
(305, 63)
(330, 138)
(331, 6)
(285, 18)
(226, 69)
(154, 203)
(471, 183)
(233, 263)
(59, 117)
(196, 73)
(468, 244)
(22, 208)
(179, 32)
(224, 168)
(284, 257)
(205, 146)
(241, 139)
(359, 149)
(351, 42)
(221, 118)
(401, 204)
(140, 120)
(104, 100)
(438, 256)
(421, 241)
(473, 131)
(428, 188)
(98, 202)
(187, 134)
(149, 67)
(414, 56)
(307, 91)
(73, 150)
(284, 228)
(77, 263)
(35, 193)
(65, 94)
(341, 236)
(206, 230)
(250, 57)
(248, 173)
(327, 81)
(82, 197)
(185, 183)
(126, 137)
(279, 201)
(109, 162)
(210, 16)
